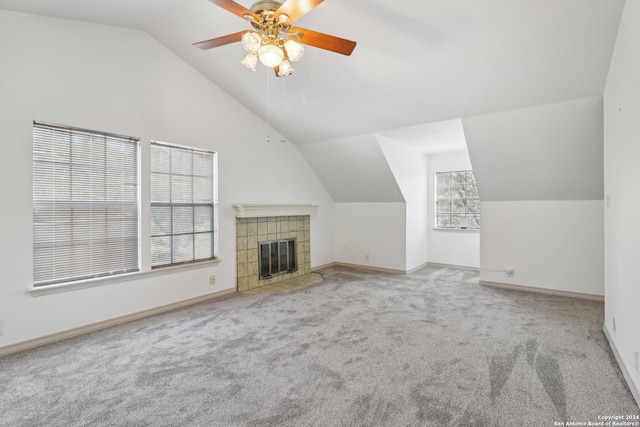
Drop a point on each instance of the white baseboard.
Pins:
(626, 372)
(361, 267)
(392, 271)
(460, 267)
(545, 291)
(419, 267)
(70, 333)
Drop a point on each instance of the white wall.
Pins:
(548, 244)
(539, 175)
(371, 234)
(122, 81)
(409, 167)
(622, 189)
(453, 247)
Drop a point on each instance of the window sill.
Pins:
(100, 281)
(456, 229)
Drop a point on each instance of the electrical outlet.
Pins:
(2, 327)
(636, 361)
(212, 280)
(614, 325)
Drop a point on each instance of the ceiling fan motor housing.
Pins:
(265, 6)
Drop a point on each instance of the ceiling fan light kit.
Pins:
(274, 42)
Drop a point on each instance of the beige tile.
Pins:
(253, 269)
(241, 229)
(252, 244)
(253, 281)
(243, 283)
(242, 243)
(272, 227)
(262, 228)
(252, 256)
(242, 270)
(252, 229)
(242, 257)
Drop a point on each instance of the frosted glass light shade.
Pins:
(250, 61)
(285, 68)
(251, 41)
(294, 50)
(270, 55)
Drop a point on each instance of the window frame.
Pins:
(213, 204)
(465, 198)
(48, 223)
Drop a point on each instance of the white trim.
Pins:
(477, 230)
(419, 267)
(392, 271)
(363, 267)
(70, 333)
(461, 267)
(545, 291)
(255, 211)
(99, 281)
(626, 372)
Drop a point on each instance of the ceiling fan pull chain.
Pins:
(268, 106)
(284, 139)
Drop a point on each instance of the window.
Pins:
(457, 202)
(182, 204)
(85, 204)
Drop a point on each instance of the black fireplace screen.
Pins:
(277, 257)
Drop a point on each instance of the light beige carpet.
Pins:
(360, 349)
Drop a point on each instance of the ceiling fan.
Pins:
(274, 41)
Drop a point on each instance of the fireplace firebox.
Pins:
(277, 257)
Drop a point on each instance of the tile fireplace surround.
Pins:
(261, 223)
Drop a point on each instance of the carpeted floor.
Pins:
(360, 349)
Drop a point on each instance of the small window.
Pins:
(457, 201)
(85, 204)
(182, 204)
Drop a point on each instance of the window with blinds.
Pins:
(85, 204)
(182, 204)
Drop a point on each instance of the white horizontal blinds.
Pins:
(457, 201)
(85, 204)
(181, 204)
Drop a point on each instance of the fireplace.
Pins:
(273, 243)
(277, 257)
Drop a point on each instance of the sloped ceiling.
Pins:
(354, 169)
(417, 61)
(551, 152)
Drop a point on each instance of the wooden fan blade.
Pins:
(235, 8)
(220, 41)
(295, 9)
(323, 41)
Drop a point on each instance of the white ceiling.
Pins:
(417, 61)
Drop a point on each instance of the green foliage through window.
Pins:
(457, 201)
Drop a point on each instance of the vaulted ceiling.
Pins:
(416, 62)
